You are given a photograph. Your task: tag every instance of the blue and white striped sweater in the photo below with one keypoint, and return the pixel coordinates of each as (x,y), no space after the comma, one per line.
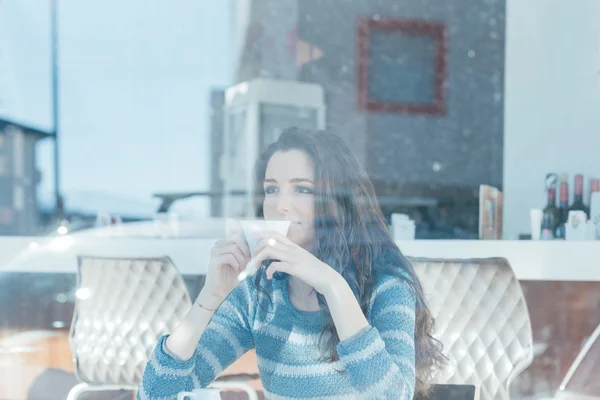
(377,363)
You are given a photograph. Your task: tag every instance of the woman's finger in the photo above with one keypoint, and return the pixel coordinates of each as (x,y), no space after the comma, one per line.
(278,266)
(220,247)
(216,249)
(235,250)
(229,259)
(239,240)
(270,252)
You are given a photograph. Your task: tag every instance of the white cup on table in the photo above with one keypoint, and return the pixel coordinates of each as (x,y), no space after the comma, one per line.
(214,392)
(201,394)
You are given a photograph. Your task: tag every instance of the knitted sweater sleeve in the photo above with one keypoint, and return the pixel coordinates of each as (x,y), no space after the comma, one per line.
(380,360)
(226,338)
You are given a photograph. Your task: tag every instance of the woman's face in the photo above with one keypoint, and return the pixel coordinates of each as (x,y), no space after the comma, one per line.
(289,194)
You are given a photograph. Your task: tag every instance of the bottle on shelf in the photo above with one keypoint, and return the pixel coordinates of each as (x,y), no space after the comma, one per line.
(594,206)
(578,196)
(563,206)
(550,212)
(594,187)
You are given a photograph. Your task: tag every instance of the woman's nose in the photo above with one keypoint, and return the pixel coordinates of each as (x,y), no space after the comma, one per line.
(284,203)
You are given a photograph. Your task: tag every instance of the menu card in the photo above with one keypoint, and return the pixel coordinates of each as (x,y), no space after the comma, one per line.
(490,213)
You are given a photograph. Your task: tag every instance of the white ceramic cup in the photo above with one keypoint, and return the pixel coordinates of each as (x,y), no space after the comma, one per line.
(252,227)
(214,392)
(249,228)
(201,394)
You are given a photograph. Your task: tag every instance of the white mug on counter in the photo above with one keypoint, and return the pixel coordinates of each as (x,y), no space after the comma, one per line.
(535,218)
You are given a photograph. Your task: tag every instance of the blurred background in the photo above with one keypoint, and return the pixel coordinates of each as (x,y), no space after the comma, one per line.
(117,114)
(104,107)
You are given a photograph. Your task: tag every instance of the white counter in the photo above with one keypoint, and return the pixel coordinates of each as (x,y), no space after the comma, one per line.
(556,260)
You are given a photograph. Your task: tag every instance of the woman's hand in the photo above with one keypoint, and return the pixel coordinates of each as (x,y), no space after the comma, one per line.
(228,258)
(296,261)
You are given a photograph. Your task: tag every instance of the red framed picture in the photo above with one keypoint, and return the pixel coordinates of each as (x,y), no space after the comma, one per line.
(401,66)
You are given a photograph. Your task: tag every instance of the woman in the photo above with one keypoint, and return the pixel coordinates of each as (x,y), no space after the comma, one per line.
(346,318)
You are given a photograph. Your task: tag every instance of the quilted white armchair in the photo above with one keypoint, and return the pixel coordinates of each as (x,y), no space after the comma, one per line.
(123,306)
(482,320)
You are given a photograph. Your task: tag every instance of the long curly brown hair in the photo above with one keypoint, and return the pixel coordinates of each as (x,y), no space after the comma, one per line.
(351,236)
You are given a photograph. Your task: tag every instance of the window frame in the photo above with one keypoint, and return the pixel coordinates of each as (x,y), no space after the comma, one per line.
(414,27)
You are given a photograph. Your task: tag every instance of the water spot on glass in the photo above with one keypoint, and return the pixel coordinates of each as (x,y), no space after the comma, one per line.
(376,17)
(493,35)
(437,166)
(471,53)
(61,298)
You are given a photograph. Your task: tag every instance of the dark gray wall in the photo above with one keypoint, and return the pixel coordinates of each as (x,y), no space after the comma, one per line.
(413,159)
(466,143)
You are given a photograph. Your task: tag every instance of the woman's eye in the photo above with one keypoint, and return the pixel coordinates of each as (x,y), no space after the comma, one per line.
(304,190)
(270,189)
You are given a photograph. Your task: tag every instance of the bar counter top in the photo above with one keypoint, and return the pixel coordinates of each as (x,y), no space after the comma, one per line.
(531,260)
